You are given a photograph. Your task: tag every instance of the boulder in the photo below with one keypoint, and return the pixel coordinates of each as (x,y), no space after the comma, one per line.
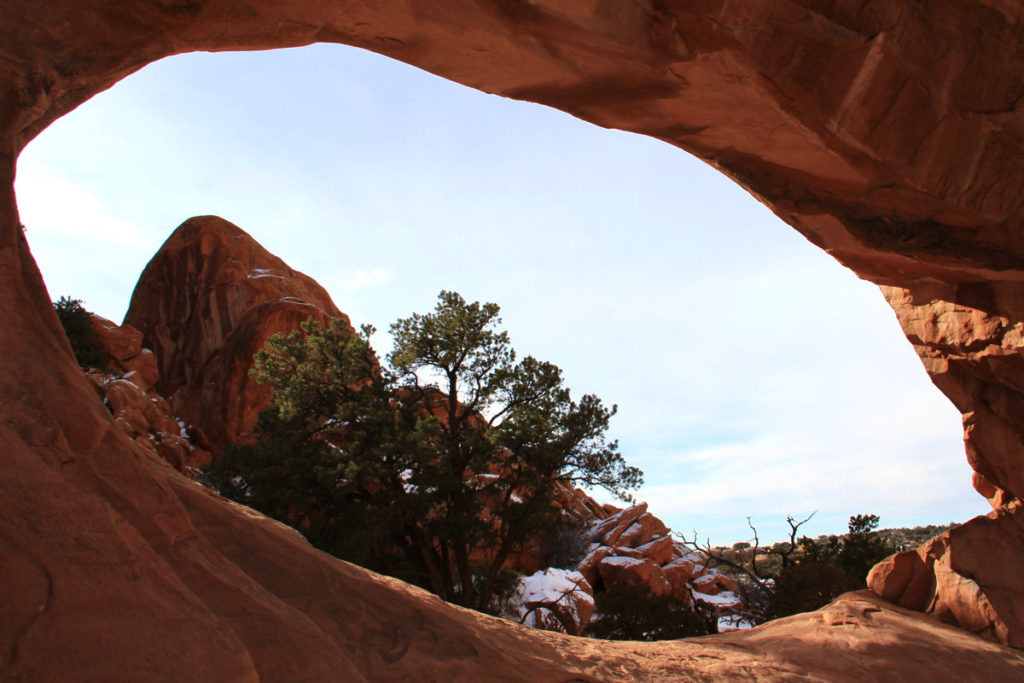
(607,531)
(121,342)
(645,528)
(681,571)
(555,600)
(619,572)
(660,551)
(941,577)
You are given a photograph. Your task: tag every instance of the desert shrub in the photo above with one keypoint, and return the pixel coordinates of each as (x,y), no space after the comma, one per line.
(634,613)
(806,586)
(567,545)
(85,341)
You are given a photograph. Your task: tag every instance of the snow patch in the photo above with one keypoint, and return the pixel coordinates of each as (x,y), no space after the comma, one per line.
(550,586)
(620,561)
(723,599)
(299,302)
(257,273)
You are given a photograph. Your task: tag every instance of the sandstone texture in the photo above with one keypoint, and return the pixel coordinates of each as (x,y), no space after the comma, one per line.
(889,133)
(126,388)
(204,304)
(939,577)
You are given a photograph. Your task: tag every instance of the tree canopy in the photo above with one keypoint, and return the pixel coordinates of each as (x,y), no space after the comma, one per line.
(436,466)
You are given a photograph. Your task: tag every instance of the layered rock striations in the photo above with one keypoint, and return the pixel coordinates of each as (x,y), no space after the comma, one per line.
(888,133)
(205,303)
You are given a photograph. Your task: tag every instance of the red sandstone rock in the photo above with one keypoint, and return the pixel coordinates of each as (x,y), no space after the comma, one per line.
(660,551)
(123,344)
(555,600)
(146,417)
(609,530)
(940,577)
(646,528)
(996,497)
(683,570)
(120,342)
(205,303)
(866,126)
(713,583)
(619,572)
(588,566)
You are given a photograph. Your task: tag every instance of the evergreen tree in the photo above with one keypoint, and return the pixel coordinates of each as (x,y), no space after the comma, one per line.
(451,452)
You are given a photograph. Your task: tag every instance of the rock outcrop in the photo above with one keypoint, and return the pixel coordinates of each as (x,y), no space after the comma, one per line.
(938,577)
(205,303)
(635,548)
(888,133)
(556,600)
(126,388)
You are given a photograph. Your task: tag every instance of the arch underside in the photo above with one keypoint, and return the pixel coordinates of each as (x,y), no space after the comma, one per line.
(888,132)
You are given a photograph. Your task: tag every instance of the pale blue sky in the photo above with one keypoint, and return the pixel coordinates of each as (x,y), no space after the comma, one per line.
(754,375)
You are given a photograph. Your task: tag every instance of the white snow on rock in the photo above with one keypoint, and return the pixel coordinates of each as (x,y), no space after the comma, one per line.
(293,300)
(622,561)
(257,273)
(554,600)
(549,585)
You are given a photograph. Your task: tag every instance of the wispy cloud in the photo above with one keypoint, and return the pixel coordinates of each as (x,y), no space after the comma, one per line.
(51,204)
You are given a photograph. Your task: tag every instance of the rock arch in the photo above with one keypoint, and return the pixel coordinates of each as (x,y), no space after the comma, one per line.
(889,133)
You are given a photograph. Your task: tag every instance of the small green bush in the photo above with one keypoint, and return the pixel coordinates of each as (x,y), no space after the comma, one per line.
(85,341)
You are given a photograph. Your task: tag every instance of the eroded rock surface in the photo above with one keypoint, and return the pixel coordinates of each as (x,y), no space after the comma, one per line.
(888,133)
(126,387)
(205,303)
(953,576)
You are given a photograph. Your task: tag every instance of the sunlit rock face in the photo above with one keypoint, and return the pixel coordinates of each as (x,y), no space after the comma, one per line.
(888,132)
(205,303)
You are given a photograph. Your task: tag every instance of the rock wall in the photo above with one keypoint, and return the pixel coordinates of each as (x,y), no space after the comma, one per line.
(888,132)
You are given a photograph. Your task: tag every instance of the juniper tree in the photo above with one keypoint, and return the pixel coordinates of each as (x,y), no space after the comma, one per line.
(452,449)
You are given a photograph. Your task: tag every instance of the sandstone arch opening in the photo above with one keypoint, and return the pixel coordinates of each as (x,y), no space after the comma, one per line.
(902,163)
(651,278)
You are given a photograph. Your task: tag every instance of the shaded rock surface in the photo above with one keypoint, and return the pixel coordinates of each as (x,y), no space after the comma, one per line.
(888,133)
(938,577)
(205,303)
(139,411)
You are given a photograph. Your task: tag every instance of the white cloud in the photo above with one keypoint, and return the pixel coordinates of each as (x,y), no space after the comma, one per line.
(51,204)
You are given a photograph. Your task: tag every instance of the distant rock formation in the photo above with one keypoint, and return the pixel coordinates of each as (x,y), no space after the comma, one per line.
(629,548)
(205,303)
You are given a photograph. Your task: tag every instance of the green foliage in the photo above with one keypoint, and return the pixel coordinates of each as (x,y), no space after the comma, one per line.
(827,567)
(80,332)
(634,613)
(435,468)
